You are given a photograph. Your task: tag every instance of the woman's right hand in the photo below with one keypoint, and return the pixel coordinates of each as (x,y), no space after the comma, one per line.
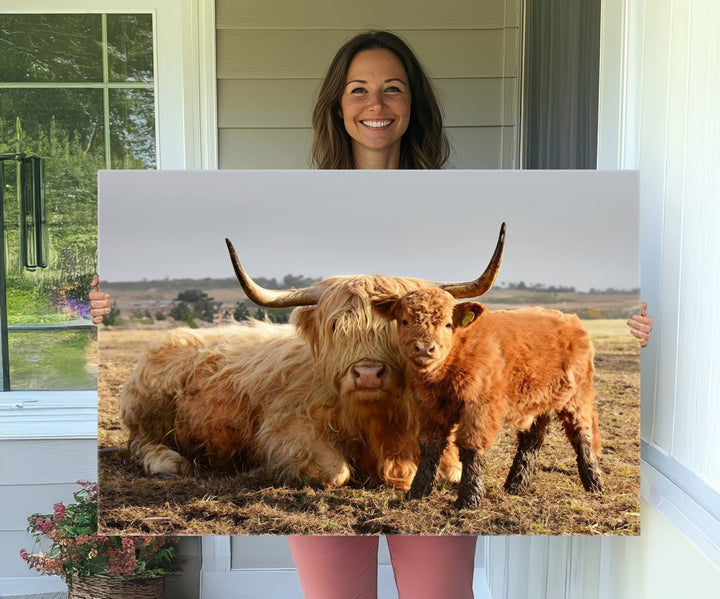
(100,303)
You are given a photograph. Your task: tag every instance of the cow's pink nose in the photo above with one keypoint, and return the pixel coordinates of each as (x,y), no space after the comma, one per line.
(424,348)
(368,375)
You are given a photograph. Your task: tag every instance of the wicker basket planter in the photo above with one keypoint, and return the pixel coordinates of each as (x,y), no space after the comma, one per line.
(116,587)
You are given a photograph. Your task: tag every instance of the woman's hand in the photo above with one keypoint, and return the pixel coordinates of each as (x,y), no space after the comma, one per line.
(641,325)
(100,303)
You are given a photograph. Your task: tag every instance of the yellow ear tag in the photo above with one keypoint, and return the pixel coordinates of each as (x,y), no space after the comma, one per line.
(468,318)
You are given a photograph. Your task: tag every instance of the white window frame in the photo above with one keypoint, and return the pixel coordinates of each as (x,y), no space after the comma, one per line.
(48,415)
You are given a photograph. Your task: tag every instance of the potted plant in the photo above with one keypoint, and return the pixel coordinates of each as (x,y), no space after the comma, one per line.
(96,566)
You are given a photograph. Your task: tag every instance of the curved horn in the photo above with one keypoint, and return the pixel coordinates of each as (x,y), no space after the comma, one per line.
(271,298)
(485,282)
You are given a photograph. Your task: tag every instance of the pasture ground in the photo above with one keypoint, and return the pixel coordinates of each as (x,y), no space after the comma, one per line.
(249,503)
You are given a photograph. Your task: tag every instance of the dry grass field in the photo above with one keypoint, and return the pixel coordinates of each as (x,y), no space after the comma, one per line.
(249,503)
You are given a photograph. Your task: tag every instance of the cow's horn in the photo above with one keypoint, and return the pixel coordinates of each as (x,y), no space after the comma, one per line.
(271,298)
(485,282)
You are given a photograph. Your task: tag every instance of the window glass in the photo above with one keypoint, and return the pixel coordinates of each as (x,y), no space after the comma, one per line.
(132,128)
(77,120)
(37,48)
(130,47)
(65,125)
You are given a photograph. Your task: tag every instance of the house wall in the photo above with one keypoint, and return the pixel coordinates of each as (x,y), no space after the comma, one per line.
(672,566)
(675,128)
(271,58)
(48,442)
(563,567)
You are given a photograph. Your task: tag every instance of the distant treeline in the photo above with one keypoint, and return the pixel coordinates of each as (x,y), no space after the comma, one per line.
(613,290)
(288,282)
(522,286)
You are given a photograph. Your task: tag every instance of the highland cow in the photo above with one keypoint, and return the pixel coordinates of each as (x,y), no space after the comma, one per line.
(474,368)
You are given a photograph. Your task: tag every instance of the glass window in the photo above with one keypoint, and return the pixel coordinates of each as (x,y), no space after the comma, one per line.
(78,91)
(44,48)
(132,128)
(130,43)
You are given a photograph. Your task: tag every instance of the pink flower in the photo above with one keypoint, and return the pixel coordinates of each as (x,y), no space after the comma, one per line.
(128,543)
(53,565)
(121,562)
(24,554)
(59,512)
(43,526)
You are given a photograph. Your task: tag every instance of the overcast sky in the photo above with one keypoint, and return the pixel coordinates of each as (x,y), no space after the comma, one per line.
(576,228)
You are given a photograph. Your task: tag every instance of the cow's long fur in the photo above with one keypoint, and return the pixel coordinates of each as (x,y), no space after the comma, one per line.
(477,368)
(278,397)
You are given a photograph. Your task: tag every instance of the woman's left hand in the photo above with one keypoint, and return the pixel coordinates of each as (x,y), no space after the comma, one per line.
(641,325)
(100,303)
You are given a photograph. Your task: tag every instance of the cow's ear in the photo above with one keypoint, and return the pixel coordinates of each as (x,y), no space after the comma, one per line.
(304,320)
(385,307)
(466,312)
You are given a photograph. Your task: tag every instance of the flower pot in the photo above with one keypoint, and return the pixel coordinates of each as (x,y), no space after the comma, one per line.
(116,587)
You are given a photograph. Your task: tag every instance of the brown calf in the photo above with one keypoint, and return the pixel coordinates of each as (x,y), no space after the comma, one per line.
(476,368)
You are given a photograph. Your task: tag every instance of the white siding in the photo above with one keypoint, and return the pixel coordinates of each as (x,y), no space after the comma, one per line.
(564,567)
(675,136)
(271,59)
(47,443)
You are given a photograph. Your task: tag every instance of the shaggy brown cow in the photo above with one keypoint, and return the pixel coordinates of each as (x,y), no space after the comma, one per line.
(317,401)
(475,368)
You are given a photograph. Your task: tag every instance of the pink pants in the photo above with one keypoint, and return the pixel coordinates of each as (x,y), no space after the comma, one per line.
(346,567)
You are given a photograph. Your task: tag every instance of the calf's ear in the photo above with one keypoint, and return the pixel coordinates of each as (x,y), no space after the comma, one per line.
(385,306)
(466,312)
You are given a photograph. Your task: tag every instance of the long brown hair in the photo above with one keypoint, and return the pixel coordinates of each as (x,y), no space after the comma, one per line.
(424,144)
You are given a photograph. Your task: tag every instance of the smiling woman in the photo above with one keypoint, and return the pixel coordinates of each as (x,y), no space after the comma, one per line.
(377,109)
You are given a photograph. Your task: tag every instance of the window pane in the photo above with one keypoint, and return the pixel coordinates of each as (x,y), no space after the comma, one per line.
(50,48)
(53,120)
(132,128)
(53,360)
(65,127)
(130,47)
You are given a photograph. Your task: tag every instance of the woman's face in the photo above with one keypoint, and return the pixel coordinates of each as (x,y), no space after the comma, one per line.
(375,103)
